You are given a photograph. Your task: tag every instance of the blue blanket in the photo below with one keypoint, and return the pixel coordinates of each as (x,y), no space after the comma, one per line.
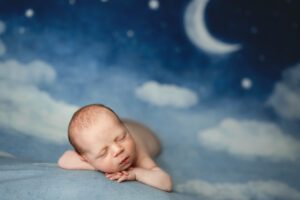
(27,180)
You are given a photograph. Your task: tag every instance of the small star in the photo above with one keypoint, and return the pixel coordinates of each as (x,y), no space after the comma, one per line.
(246,83)
(22,30)
(262,58)
(153,4)
(295,25)
(254,30)
(163,25)
(248,13)
(29,13)
(177,50)
(72,2)
(130,33)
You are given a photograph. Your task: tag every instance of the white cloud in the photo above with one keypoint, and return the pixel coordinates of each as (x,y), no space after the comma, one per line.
(2,45)
(5,154)
(166,95)
(2,48)
(259,190)
(286,95)
(28,109)
(251,139)
(2,27)
(32,74)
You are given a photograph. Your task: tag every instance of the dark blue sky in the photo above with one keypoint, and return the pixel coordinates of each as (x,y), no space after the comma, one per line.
(97,32)
(206,107)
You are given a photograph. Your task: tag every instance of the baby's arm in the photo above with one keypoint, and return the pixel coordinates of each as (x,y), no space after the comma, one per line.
(149,173)
(146,172)
(155,177)
(71,160)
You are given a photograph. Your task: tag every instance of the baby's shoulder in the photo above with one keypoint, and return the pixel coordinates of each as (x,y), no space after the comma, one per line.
(144,160)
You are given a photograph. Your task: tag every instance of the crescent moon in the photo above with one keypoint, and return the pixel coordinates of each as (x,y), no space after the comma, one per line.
(194,23)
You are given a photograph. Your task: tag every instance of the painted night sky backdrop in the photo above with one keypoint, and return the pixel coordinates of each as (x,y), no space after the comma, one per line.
(218,80)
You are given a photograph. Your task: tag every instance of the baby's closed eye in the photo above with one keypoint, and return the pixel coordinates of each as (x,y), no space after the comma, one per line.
(102,152)
(122,137)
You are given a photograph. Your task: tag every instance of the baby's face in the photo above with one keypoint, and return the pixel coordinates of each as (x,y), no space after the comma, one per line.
(108,145)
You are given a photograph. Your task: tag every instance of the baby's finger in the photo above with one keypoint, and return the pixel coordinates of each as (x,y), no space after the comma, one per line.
(117,176)
(125,172)
(122,179)
(109,176)
(114,173)
(113,178)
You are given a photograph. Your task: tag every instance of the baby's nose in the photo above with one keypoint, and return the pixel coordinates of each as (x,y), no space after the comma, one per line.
(117,149)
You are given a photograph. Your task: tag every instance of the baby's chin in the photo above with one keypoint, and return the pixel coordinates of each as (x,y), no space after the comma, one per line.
(119,168)
(126,167)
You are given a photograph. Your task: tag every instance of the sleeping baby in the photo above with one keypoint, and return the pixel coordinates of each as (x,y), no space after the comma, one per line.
(122,149)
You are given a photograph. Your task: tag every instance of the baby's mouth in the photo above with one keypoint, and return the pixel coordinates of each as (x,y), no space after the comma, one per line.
(125,160)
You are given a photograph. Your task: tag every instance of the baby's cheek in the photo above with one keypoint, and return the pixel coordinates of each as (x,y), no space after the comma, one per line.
(101,165)
(130,144)
(109,166)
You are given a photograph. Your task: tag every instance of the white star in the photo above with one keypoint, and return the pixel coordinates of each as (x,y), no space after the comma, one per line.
(153,4)
(72,2)
(22,30)
(246,83)
(29,13)
(130,33)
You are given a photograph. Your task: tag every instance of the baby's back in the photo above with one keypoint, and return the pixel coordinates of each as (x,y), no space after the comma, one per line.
(144,137)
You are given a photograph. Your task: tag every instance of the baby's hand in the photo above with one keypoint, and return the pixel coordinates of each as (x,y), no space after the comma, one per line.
(128,175)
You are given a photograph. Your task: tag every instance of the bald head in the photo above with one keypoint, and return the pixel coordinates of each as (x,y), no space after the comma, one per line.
(84,118)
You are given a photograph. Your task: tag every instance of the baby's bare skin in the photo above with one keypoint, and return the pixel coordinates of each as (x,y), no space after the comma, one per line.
(144,137)
(122,149)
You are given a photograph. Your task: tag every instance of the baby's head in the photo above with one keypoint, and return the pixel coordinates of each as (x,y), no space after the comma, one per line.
(99,136)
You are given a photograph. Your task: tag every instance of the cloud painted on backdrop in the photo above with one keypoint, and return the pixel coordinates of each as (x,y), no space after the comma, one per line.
(2,45)
(286,95)
(166,95)
(28,109)
(2,27)
(5,154)
(250,139)
(260,190)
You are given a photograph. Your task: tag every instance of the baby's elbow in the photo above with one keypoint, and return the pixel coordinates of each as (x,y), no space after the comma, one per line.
(168,184)
(61,163)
